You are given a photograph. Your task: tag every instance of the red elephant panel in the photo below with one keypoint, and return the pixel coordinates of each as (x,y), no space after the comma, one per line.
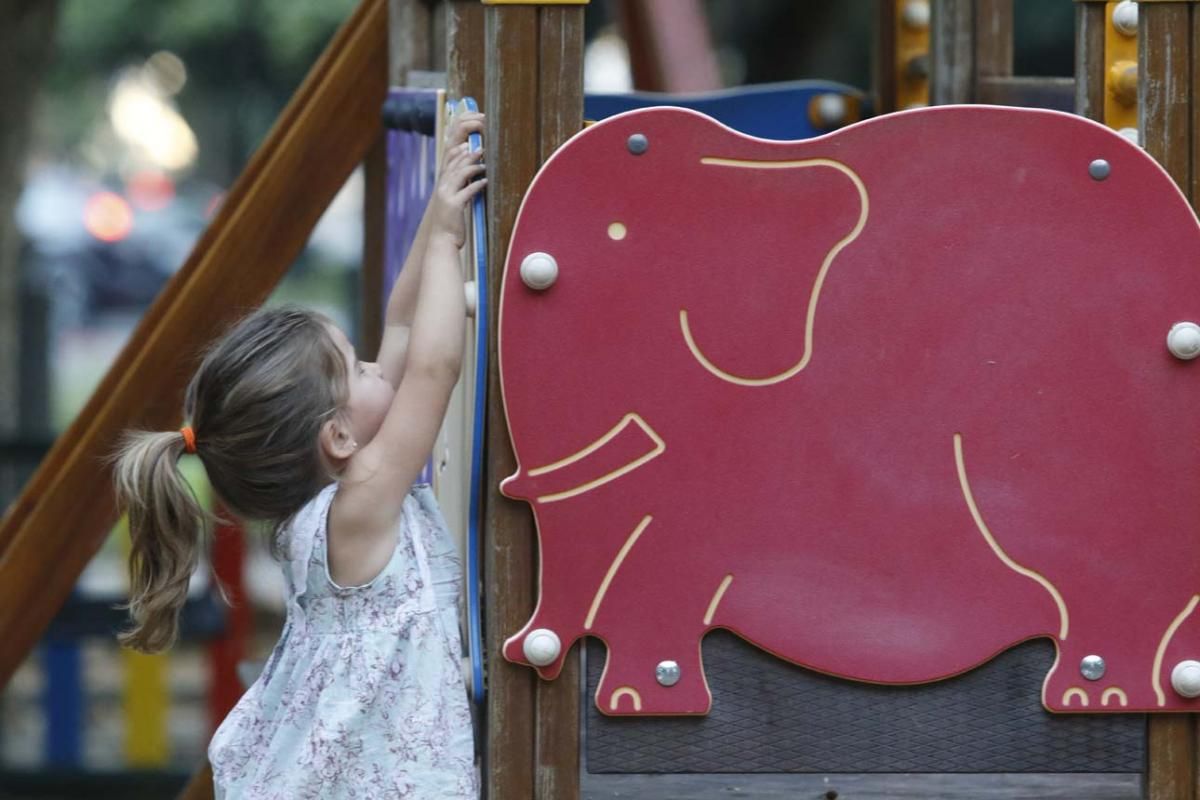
(884,403)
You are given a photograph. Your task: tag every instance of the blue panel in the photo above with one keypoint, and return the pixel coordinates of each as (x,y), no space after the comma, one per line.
(769,111)
(62,702)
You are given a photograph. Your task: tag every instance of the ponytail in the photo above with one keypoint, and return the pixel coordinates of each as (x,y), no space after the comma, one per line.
(166,525)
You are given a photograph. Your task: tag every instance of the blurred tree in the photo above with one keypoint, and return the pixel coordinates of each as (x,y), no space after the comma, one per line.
(243,61)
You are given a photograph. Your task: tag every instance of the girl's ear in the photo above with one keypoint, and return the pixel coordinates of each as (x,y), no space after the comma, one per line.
(337,440)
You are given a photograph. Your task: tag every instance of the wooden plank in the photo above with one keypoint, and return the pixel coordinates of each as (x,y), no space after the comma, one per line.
(1090,25)
(884,72)
(1171,757)
(1194,194)
(374,251)
(465,50)
(511,101)
(63,515)
(1028,92)
(993,38)
(863,787)
(410,44)
(556,760)
(1164,80)
(952,66)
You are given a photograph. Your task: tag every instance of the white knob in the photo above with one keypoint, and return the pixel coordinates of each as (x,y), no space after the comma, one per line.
(831,110)
(1185,678)
(916,14)
(1131,134)
(1124,17)
(539,271)
(470,295)
(1183,340)
(542,647)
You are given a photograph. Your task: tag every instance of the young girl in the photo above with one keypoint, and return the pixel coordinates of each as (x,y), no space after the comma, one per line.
(363,695)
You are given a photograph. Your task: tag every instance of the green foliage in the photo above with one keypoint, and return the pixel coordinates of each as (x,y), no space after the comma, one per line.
(233,49)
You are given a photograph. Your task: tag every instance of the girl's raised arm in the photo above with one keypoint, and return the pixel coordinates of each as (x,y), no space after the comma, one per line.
(377,476)
(402,302)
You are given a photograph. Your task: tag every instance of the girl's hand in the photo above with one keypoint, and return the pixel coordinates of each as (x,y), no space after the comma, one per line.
(458,168)
(456,186)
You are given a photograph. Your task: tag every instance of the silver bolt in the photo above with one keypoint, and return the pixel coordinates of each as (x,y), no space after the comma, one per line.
(638,144)
(667,673)
(1092,668)
(1099,169)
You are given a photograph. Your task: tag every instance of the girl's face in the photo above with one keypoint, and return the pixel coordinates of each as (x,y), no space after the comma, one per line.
(370,394)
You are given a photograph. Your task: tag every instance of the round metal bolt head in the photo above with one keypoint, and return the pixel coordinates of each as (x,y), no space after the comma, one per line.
(638,144)
(667,673)
(541,647)
(830,109)
(1092,668)
(1185,678)
(539,271)
(916,14)
(1125,18)
(1183,340)
(1099,169)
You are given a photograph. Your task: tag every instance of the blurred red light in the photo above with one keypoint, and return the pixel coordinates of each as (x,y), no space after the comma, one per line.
(107,217)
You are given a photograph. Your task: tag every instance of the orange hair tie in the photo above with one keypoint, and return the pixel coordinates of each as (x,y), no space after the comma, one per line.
(189,438)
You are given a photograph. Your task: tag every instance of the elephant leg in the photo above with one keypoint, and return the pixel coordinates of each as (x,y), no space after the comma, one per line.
(571,589)
(1113,659)
(651,617)
(653,670)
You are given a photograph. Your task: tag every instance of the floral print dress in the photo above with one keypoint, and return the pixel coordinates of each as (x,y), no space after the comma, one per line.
(363,696)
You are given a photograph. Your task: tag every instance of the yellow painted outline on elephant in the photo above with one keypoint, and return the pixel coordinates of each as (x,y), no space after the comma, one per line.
(816,291)
(1064,620)
(660,447)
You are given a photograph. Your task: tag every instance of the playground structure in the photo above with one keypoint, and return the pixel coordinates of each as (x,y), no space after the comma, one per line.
(524,62)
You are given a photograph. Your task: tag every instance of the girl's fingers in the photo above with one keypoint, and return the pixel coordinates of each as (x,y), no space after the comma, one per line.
(470,190)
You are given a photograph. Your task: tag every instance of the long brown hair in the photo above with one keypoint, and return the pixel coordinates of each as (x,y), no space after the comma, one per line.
(256,406)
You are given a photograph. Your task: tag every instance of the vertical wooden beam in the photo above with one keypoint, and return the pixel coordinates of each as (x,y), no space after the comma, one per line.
(952,68)
(1171,756)
(410,39)
(1164,86)
(556,762)
(513,123)
(1194,194)
(534,102)
(370,305)
(993,39)
(884,72)
(465,50)
(1090,23)
(1166,89)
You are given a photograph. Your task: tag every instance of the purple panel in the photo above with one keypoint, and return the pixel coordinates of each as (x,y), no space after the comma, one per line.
(412,162)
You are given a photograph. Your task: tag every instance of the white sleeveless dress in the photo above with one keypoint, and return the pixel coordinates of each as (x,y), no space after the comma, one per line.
(363,696)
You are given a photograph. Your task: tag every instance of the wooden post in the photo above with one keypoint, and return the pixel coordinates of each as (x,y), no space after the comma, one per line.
(993,39)
(952,66)
(1167,87)
(534,101)
(1090,24)
(465,50)
(1164,86)
(884,73)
